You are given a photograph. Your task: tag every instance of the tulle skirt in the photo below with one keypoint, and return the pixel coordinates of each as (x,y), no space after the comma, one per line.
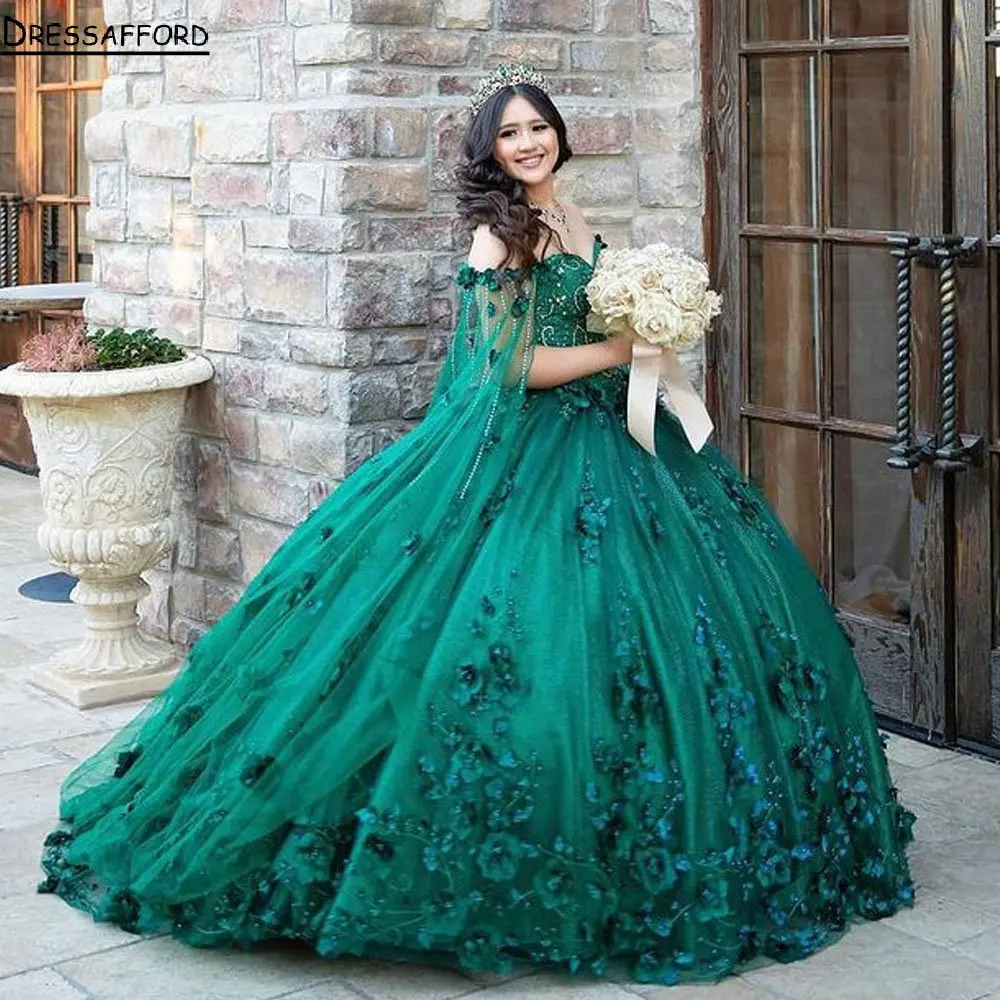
(602,717)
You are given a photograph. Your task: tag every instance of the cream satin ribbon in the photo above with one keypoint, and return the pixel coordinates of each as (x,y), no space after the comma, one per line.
(649,362)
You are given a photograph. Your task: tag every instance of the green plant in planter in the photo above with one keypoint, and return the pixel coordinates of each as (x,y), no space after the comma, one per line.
(119,348)
(65,346)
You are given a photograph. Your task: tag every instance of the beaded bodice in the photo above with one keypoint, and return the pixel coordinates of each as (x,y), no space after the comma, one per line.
(561,311)
(561,304)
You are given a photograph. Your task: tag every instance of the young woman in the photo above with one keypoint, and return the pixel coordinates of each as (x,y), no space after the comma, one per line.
(518,692)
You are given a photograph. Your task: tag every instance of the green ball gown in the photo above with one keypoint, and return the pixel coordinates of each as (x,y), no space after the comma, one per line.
(518,693)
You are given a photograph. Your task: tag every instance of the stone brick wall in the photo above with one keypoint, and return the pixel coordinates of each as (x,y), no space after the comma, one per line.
(286,206)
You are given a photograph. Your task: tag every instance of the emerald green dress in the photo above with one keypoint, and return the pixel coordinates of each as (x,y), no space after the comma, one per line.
(517,693)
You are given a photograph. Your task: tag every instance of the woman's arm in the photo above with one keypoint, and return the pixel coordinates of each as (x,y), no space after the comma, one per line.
(552,366)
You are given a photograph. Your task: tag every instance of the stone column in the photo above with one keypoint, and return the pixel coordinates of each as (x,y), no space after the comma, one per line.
(287,206)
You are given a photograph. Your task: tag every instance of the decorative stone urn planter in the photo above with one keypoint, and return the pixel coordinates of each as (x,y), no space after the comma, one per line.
(105,445)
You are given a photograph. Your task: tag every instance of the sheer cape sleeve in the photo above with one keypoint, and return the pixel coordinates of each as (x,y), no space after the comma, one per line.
(484,378)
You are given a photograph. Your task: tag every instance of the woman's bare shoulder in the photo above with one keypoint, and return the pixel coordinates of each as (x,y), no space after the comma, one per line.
(487,249)
(574,211)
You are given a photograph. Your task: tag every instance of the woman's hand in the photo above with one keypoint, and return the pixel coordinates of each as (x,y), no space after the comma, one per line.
(620,347)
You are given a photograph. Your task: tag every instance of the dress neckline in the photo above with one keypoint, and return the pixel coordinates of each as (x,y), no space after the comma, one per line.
(491,272)
(569,253)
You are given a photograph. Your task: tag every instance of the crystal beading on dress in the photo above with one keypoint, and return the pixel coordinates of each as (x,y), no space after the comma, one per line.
(517,694)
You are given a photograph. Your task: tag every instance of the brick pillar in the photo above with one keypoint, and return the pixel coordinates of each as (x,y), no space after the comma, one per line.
(287,206)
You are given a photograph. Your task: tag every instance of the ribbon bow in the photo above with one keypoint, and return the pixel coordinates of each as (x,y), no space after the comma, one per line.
(649,362)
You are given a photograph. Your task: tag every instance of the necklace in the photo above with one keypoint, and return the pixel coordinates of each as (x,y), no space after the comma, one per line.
(553,215)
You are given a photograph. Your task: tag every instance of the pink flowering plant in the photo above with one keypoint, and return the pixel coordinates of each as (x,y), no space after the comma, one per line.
(66,346)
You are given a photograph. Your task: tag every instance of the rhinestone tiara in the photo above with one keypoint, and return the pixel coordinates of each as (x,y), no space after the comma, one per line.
(505,76)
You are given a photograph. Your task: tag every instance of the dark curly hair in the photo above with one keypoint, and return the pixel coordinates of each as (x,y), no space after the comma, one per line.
(488,194)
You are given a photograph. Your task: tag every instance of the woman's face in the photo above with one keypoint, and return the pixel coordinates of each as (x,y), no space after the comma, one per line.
(527,146)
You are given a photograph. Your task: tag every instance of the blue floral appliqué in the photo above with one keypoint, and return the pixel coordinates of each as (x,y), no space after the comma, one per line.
(591,517)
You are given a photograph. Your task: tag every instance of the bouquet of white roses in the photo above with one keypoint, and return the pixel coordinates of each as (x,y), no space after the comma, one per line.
(661,295)
(658,292)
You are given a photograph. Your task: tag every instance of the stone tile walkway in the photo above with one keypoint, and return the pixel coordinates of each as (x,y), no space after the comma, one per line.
(946,948)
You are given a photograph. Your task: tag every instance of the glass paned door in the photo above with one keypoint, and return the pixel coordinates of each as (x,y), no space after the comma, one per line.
(68,94)
(45,102)
(831,134)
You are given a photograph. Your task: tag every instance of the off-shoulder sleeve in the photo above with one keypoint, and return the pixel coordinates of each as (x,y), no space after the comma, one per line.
(484,378)
(493,332)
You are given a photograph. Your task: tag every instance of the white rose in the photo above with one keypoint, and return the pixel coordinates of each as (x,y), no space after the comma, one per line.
(651,327)
(611,299)
(691,331)
(656,320)
(688,290)
(650,279)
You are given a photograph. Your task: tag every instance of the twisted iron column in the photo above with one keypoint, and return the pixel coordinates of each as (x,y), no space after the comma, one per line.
(14,247)
(904,454)
(10,237)
(5,277)
(947,452)
(951,453)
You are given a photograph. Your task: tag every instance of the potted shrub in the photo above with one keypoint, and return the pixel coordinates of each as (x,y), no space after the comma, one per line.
(104,409)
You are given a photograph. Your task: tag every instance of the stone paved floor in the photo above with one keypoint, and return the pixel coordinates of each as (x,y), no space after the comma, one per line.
(946,948)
